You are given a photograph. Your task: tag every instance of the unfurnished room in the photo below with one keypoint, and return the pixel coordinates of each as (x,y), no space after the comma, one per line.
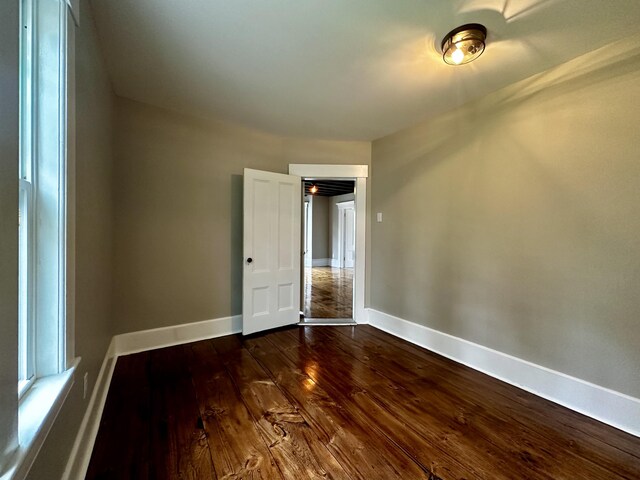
(319,239)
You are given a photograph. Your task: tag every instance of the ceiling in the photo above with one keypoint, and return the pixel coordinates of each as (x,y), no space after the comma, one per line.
(337,69)
(329,188)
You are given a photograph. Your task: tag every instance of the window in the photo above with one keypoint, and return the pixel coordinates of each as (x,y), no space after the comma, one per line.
(42,177)
(46,366)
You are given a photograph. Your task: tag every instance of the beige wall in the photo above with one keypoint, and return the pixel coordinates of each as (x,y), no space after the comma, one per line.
(9,28)
(178,210)
(321,247)
(93,240)
(514,221)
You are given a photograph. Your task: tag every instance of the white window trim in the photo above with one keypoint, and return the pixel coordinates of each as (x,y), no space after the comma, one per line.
(37,413)
(41,397)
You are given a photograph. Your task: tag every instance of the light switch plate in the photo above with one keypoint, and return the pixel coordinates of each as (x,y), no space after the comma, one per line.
(379,217)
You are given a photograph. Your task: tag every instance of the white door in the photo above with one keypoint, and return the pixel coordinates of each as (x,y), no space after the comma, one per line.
(271,276)
(347,234)
(349,237)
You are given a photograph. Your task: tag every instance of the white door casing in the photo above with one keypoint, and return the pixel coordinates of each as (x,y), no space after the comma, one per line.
(271,272)
(360,173)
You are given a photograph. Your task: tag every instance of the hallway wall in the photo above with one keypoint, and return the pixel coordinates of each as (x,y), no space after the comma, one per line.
(321,247)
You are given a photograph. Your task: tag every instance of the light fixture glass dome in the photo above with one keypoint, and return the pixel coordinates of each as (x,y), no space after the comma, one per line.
(464,44)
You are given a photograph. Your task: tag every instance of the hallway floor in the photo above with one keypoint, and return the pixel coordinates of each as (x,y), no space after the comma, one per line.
(328,292)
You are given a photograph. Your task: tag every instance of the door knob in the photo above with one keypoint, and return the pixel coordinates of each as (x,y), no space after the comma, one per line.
(249,260)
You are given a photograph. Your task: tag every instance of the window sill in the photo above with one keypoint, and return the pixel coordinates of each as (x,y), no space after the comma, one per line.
(37,412)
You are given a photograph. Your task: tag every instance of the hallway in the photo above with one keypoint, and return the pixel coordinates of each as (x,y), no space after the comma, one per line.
(328,292)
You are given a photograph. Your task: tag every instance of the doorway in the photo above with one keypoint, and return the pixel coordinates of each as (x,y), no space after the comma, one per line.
(329,232)
(273,241)
(359,174)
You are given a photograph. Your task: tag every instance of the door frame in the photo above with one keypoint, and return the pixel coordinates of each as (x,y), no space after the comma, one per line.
(340,172)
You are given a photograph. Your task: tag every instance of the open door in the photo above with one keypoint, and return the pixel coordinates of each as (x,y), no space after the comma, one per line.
(271,275)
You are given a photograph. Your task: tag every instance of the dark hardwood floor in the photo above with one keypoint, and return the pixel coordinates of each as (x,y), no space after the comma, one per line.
(328,292)
(338,402)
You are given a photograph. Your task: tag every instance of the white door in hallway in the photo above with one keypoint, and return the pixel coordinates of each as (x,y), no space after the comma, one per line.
(349,238)
(271,272)
(347,234)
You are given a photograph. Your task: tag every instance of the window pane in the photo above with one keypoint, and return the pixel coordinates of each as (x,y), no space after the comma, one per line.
(22,282)
(25,282)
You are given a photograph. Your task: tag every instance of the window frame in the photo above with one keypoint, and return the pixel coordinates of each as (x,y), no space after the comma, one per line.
(42,349)
(26,214)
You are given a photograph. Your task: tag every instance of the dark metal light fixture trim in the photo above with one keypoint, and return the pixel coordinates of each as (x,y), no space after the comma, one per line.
(464,44)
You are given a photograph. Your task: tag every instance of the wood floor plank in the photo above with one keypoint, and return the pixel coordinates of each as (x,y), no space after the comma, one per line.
(328,292)
(605,445)
(437,427)
(237,448)
(363,454)
(523,448)
(126,415)
(179,445)
(532,421)
(296,447)
(361,408)
(338,403)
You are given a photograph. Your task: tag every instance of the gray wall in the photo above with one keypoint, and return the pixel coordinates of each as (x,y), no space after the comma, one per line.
(321,247)
(178,210)
(513,222)
(94,234)
(9,34)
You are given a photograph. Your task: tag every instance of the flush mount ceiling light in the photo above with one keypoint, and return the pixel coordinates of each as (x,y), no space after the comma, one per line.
(464,44)
(313,189)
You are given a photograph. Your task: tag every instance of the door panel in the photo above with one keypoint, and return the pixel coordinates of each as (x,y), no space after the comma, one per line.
(271,280)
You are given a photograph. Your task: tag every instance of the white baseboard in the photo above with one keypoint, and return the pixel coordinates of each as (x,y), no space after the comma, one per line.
(80,456)
(125,344)
(335,263)
(134,342)
(321,262)
(613,408)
